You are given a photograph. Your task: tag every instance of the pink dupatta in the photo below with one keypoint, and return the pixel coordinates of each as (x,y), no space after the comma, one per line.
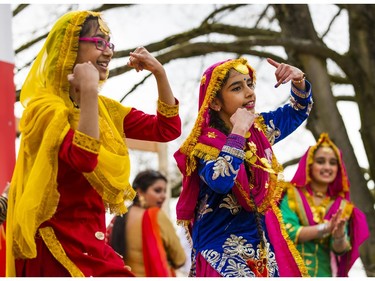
(288,259)
(339,188)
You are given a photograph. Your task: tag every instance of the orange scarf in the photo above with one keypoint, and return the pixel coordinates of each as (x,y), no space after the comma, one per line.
(154,255)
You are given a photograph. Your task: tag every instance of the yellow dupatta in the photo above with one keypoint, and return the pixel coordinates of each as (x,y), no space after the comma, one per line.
(48,115)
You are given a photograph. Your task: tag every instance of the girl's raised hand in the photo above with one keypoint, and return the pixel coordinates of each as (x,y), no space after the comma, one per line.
(141,59)
(285,72)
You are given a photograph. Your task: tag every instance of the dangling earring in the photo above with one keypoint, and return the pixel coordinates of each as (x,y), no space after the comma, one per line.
(142,202)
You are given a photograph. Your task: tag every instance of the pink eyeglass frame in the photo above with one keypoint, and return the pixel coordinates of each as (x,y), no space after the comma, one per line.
(95,40)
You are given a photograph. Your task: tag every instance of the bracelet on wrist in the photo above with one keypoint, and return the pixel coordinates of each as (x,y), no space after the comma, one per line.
(322,230)
(301,80)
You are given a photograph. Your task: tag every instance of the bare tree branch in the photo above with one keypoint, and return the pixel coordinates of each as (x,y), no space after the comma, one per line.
(331,23)
(19,9)
(136,86)
(230,8)
(240,46)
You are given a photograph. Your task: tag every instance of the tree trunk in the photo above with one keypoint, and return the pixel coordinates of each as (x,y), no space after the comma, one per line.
(295,21)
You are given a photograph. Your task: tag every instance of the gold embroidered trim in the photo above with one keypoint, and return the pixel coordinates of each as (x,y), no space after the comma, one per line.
(347,209)
(296,254)
(168,110)
(204,152)
(117,207)
(292,200)
(86,142)
(68,53)
(297,234)
(296,106)
(185,225)
(239,153)
(57,250)
(300,93)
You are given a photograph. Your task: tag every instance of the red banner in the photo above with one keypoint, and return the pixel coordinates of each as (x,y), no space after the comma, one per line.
(7,123)
(7,98)
(7,119)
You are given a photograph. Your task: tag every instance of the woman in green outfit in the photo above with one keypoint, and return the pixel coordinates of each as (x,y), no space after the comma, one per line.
(318,214)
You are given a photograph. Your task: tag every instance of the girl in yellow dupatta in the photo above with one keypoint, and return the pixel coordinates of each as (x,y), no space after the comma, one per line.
(73,163)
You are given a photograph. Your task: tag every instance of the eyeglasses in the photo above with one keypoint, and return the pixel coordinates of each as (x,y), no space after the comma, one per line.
(100,43)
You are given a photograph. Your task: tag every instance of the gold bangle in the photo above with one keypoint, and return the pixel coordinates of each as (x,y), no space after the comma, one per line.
(301,80)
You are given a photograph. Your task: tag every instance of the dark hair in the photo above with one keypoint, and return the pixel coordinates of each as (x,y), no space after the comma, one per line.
(145,179)
(215,120)
(142,181)
(91,23)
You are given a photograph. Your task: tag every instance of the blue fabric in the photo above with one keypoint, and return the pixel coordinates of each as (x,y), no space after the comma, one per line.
(284,120)
(223,232)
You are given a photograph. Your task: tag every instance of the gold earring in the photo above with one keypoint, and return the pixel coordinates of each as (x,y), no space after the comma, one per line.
(142,202)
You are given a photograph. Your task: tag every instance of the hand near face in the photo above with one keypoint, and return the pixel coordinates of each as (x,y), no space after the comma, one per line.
(285,72)
(242,120)
(85,78)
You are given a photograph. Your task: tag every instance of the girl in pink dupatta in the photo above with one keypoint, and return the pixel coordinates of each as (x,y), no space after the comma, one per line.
(230,175)
(326,227)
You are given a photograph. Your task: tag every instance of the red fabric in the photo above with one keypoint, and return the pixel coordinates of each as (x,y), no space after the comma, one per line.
(284,257)
(79,216)
(154,255)
(204,269)
(141,126)
(80,213)
(7,124)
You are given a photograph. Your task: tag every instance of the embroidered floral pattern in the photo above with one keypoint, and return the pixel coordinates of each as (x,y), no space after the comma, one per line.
(223,167)
(236,245)
(211,135)
(231,204)
(296,106)
(203,207)
(233,261)
(193,268)
(272,132)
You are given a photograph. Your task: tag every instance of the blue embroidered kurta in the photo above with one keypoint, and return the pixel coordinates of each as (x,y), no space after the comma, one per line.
(224,233)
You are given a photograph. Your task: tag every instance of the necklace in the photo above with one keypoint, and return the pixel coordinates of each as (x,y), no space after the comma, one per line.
(320,210)
(319,194)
